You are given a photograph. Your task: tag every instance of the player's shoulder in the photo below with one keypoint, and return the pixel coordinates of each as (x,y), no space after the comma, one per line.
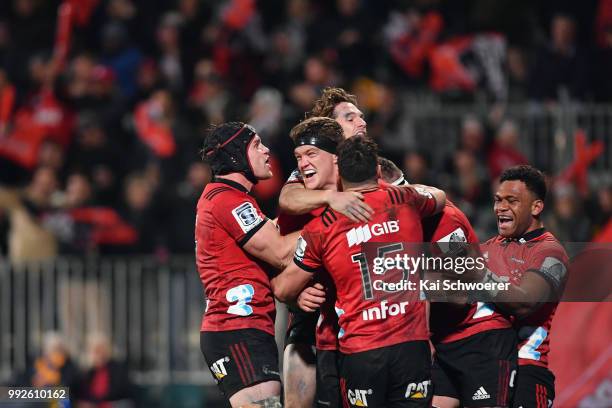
(216,192)
(223,200)
(548,243)
(494,240)
(399,194)
(325,220)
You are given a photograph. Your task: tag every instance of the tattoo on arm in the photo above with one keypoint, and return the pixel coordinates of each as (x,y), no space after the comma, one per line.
(270,402)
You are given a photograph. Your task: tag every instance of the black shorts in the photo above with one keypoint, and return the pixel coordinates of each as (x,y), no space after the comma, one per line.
(477,370)
(328,379)
(534,387)
(393,377)
(302,327)
(239,359)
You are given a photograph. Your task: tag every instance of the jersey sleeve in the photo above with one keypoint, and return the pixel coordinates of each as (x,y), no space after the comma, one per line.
(308,250)
(423,201)
(240,217)
(295,177)
(549,260)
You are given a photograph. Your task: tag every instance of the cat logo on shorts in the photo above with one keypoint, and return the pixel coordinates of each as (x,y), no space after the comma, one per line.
(218,368)
(418,390)
(359,398)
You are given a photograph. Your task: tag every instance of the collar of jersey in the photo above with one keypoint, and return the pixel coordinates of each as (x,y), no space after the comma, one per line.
(367,190)
(531,235)
(231,183)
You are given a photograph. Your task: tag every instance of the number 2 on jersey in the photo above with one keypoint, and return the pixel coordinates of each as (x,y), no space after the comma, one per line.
(242,294)
(535,339)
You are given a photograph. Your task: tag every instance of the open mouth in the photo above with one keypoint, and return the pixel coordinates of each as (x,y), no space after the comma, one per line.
(504,221)
(309,173)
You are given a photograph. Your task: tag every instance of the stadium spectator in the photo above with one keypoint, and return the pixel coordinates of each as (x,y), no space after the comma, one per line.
(504,151)
(141,211)
(567,219)
(210,95)
(417,167)
(602,63)
(172,61)
(106,380)
(99,156)
(561,68)
(287,45)
(29,239)
(182,201)
(120,56)
(55,367)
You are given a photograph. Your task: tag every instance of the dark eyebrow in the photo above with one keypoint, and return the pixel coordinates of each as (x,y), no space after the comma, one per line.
(497,195)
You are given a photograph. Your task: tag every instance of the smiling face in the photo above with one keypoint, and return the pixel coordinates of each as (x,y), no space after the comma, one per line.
(351,120)
(516,209)
(317,166)
(259,159)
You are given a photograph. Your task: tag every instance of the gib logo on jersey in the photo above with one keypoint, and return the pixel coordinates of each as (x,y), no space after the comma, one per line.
(218,368)
(359,398)
(364,233)
(418,390)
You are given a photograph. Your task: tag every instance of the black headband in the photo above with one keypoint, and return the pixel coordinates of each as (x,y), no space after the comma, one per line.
(322,143)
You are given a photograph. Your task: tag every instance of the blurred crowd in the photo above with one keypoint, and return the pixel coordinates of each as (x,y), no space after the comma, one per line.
(104,103)
(99,382)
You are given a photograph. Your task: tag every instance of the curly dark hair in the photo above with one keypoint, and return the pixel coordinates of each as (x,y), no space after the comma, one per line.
(319,126)
(357,159)
(533,178)
(330,97)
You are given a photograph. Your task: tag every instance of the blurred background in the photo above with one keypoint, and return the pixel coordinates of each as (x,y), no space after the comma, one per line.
(103,108)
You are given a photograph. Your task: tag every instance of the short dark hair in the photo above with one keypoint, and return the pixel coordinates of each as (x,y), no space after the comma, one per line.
(330,97)
(357,159)
(533,178)
(318,126)
(389,171)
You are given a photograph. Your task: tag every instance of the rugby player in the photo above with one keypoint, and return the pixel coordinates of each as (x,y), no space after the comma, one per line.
(536,264)
(386,360)
(234,241)
(315,141)
(475,343)
(302,194)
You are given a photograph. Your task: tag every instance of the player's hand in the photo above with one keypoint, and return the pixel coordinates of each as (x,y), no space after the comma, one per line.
(351,204)
(311,298)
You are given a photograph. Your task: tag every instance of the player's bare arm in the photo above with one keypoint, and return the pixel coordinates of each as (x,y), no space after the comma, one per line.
(526,298)
(288,284)
(436,193)
(269,246)
(296,199)
(536,287)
